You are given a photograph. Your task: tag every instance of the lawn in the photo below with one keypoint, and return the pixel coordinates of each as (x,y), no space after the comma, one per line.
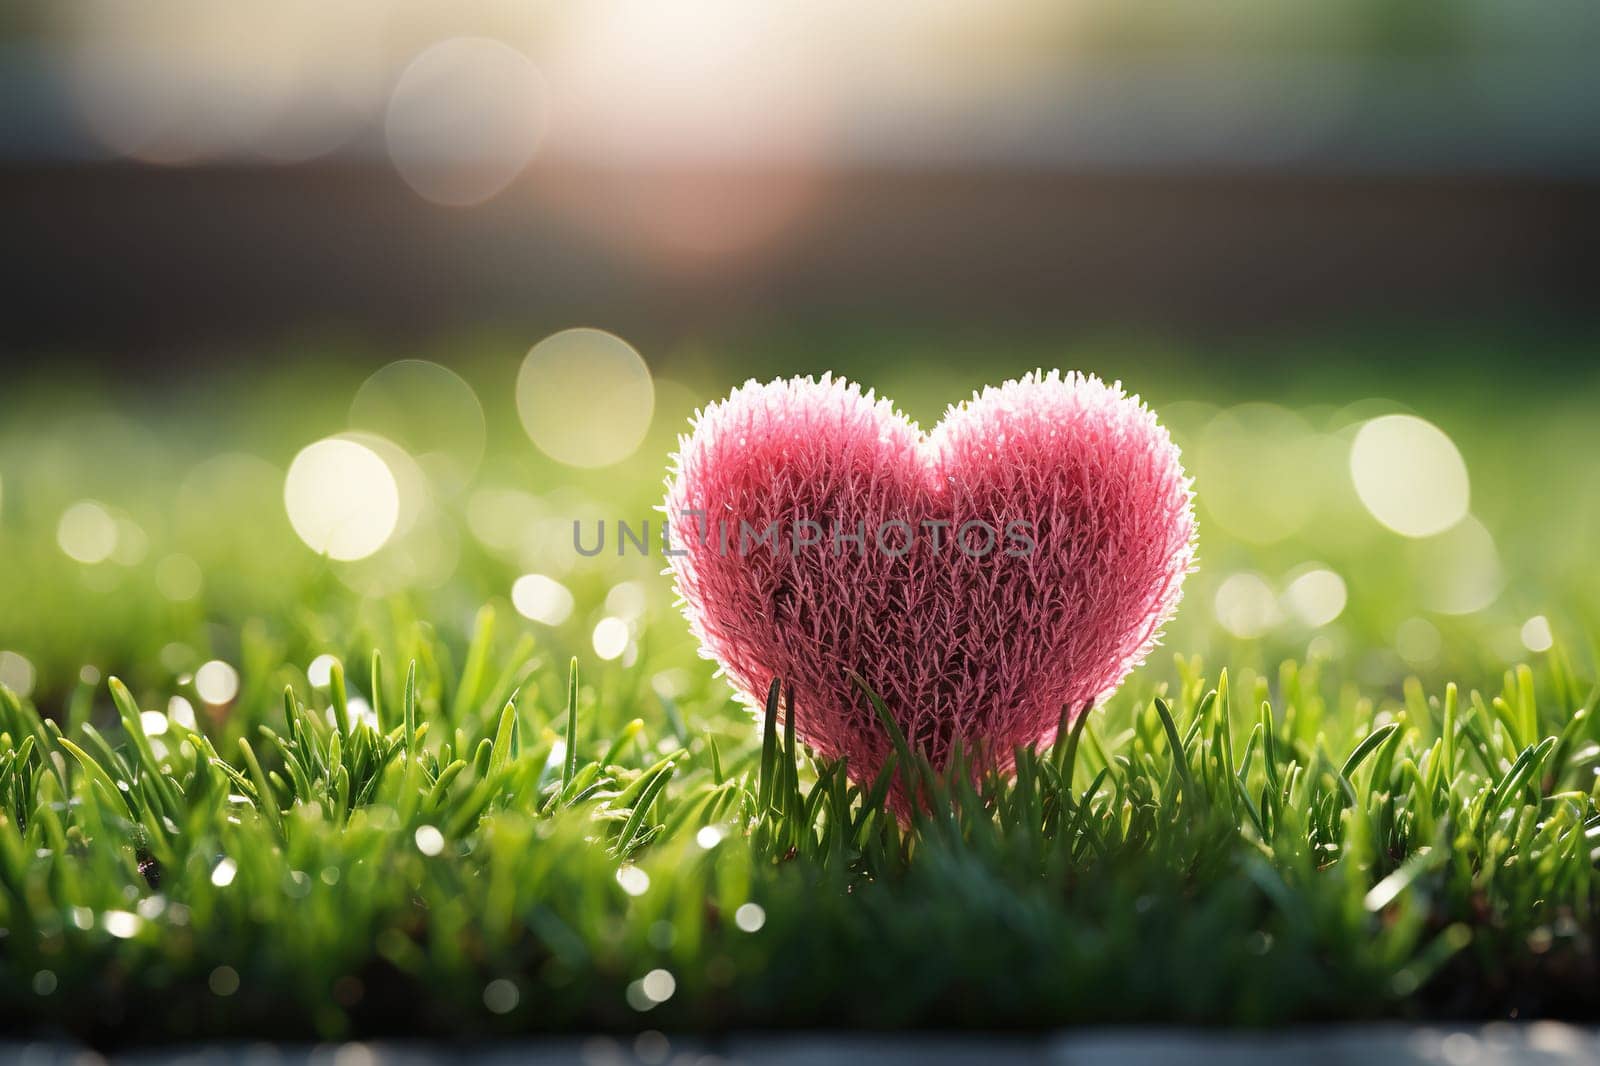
(421,792)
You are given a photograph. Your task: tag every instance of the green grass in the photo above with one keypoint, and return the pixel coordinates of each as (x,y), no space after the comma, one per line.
(1341,838)
(508,850)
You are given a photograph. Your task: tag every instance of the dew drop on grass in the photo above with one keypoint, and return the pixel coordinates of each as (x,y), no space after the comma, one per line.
(224,873)
(429,840)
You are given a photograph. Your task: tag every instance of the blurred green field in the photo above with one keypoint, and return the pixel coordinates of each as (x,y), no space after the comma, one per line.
(179,490)
(1378,813)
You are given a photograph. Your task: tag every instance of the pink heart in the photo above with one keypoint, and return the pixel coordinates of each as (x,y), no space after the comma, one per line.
(982,647)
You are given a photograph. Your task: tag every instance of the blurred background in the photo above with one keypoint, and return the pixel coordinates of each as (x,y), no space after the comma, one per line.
(320,319)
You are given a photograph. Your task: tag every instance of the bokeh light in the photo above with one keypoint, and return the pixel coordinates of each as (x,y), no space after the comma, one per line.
(16,673)
(465,117)
(87,532)
(178,578)
(430,412)
(1409,475)
(1245,605)
(342,499)
(585,397)
(501,996)
(750,917)
(412,484)
(181,712)
(172,82)
(1316,596)
(1418,641)
(132,542)
(1536,634)
(320,671)
(1459,571)
(216,682)
(627,600)
(1255,469)
(610,638)
(541,599)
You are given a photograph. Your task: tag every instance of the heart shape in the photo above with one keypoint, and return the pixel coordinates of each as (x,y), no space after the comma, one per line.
(982,647)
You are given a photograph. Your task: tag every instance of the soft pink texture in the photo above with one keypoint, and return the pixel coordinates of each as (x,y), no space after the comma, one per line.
(988,650)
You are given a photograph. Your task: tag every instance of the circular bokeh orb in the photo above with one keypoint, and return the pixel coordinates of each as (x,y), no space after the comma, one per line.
(87,532)
(1256,466)
(585,397)
(341,498)
(428,410)
(1317,596)
(1409,475)
(464,119)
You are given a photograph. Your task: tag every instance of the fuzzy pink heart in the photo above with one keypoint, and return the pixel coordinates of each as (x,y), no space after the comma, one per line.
(1019,559)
